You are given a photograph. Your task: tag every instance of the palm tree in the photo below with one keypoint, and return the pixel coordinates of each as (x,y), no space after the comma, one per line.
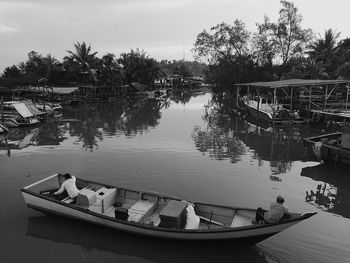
(324,49)
(110,69)
(84,58)
(138,67)
(50,63)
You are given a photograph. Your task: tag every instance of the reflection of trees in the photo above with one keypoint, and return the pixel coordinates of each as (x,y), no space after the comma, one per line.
(124,116)
(139,116)
(50,133)
(332,192)
(217,138)
(229,136)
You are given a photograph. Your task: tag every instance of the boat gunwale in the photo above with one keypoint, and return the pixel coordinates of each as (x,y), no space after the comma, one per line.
(158,228)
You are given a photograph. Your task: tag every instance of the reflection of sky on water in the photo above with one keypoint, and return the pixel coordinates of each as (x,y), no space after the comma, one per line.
(165,127)
(198,152)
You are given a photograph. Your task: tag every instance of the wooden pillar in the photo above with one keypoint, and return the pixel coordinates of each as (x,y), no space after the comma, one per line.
(310,94)
(274,106)
(325,98)
(291,98)
(237,101)
(2,108)
(258,101)
(347,95)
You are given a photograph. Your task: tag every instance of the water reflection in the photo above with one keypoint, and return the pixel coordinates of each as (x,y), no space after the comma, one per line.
(50,133)
(332,192)
(229,136)
(92,237)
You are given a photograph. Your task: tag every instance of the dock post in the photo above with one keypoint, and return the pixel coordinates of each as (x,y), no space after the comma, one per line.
(291,98)
(325,98)
(2,108)
(347,95)
(237,97)
(274,106)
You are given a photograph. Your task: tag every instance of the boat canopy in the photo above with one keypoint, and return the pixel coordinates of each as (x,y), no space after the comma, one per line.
(294,82)
(23,110)
(34,110)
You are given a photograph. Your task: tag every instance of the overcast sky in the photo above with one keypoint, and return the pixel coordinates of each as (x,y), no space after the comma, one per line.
(165,29)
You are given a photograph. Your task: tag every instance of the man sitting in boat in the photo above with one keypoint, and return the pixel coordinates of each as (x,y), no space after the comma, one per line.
(278,210)
(68,187)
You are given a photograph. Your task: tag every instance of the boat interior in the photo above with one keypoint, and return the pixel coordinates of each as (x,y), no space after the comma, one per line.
(146,208)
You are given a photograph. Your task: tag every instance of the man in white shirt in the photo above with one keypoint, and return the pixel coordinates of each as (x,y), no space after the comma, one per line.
(277,211)
(69,186)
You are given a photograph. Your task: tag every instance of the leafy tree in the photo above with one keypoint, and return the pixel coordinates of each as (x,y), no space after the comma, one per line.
(11,71)
(138,67)
(263,44)
(289,38)
(224,41)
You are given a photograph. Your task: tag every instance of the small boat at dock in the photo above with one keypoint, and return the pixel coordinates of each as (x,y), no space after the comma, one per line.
(3,127)
(153,214)
(272,112)
(333,148)
(17,114)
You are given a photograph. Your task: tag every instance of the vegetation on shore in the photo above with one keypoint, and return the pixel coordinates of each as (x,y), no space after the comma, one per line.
(228,54)
(277,50)
(83,66)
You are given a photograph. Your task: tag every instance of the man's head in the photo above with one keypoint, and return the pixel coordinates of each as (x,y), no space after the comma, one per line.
(280,199)
(67,176)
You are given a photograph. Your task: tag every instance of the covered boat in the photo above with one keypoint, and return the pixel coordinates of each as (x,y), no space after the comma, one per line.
(3,127)
(271,111)
(17,114)
(152,214)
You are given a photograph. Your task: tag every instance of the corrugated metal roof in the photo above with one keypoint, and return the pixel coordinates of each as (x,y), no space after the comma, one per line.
(23,110)
(293,82)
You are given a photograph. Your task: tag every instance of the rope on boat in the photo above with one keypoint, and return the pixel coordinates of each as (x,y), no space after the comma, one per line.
(316,147)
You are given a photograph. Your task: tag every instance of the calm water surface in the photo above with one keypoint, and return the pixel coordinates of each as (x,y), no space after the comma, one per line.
(190,148)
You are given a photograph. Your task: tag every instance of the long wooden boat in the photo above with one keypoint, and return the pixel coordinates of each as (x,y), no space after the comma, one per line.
(152,214)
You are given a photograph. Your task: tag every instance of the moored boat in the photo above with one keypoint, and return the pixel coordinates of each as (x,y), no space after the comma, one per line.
(152,214)
(17,114)
(266,109)
(3,127)
(332,148)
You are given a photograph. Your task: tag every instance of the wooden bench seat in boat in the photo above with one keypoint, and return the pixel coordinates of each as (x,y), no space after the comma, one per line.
(243,218)
(140,210)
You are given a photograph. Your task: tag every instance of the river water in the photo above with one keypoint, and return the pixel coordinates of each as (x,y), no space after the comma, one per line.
(187,147)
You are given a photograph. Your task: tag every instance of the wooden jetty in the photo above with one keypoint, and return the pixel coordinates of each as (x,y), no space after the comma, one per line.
(297,95)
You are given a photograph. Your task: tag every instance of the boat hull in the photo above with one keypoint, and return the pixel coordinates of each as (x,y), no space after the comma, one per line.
(243,236)
(326,147)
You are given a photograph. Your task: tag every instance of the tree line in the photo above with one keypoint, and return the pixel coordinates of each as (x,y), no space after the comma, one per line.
(277,50)
(83,66)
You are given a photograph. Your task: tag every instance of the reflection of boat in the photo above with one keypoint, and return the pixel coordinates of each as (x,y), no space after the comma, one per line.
(99,239)
(152,214)
(333,148)
(333,188)
(270,111)
(20,138)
